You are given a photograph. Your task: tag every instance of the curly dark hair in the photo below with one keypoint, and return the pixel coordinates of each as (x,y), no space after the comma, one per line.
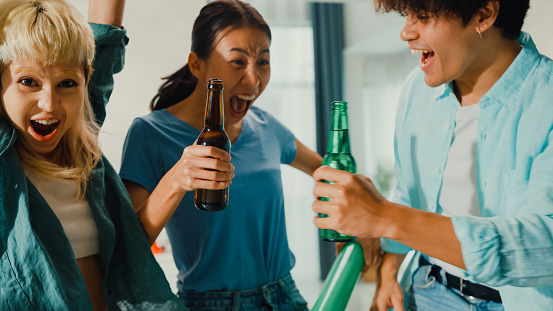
(509,20)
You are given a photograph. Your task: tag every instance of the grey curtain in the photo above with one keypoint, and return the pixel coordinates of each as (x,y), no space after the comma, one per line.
(328,44)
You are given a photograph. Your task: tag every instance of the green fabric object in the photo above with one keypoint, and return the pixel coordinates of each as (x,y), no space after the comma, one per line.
(341,279)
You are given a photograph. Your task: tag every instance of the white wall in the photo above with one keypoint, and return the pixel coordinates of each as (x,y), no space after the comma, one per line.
(540,25)
(160,34)
(376,62)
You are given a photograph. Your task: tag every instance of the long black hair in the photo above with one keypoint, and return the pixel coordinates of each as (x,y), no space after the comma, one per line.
(213,18)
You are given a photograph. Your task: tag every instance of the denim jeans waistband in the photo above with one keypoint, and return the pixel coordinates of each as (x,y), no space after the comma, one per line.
(465,287)
(270,293)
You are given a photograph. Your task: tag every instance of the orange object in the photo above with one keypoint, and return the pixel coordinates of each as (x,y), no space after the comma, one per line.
(156,249)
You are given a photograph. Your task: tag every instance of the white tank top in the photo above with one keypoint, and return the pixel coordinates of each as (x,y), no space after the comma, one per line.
(75,215)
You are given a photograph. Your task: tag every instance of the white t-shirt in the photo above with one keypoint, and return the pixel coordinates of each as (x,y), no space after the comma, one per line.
(75,215)
(458,195)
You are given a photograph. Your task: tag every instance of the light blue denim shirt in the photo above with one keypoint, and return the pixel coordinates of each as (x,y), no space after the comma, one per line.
(511,245)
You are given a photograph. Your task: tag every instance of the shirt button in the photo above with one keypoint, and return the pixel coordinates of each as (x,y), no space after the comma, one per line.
(437,170)
(429,207)
(447,126)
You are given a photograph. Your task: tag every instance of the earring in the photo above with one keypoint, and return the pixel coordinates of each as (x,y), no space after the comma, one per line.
(480,34)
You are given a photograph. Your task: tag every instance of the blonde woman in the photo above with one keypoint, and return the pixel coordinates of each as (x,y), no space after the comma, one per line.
(69,237)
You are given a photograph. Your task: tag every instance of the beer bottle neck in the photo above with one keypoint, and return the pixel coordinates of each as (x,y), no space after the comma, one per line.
(214,110)
(338,140)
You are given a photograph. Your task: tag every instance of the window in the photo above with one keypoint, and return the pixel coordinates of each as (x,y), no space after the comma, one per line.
(290,97)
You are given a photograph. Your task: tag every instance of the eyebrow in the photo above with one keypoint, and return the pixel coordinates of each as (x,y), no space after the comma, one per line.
(25,69)
(58,75)
(246,52)
(67,73)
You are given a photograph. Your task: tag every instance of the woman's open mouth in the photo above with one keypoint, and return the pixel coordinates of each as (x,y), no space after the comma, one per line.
(239,104)
(43,130)
(426,57)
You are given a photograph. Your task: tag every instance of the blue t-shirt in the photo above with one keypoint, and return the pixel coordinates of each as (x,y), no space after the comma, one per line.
(243,246)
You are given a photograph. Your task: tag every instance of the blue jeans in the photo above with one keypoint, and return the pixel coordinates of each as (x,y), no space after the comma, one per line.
(281,295)
(427,294)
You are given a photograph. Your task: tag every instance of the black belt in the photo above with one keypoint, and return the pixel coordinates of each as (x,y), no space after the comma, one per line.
(466,288)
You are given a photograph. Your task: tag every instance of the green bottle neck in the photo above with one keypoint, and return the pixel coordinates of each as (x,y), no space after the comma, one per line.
(338,140)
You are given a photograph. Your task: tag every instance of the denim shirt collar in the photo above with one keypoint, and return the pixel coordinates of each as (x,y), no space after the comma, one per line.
(504,92)
(7,135)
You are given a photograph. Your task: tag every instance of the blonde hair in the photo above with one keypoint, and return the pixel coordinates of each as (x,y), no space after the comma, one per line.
(50,32)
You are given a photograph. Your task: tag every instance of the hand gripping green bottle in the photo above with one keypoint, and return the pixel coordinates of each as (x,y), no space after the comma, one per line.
(341,279)
(338,156)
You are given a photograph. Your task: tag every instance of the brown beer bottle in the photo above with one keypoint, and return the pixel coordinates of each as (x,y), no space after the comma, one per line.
(214,135)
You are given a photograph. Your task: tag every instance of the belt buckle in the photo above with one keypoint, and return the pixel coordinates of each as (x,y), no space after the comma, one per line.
(461,286)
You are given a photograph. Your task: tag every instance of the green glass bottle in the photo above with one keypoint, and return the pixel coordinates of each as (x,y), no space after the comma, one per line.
(338,156)
(341,279)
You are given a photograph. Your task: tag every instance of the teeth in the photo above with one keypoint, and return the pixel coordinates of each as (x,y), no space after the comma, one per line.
(246,97)
(417,51)
(46,122)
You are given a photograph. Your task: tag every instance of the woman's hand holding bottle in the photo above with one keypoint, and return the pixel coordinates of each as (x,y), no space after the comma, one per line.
(203,167)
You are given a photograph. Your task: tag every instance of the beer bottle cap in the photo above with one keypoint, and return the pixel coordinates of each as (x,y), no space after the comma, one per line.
(214,83)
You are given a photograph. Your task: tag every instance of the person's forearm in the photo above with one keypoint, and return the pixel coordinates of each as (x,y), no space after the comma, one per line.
(306,159)
(357,208)
(108,12)
(427,232)
(390,265)
(160,206)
